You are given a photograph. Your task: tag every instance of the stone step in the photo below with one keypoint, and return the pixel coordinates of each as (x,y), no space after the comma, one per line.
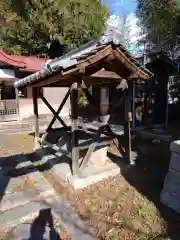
(10,201)
(58,164)
(59,208)
(20,198)
(8,184)
(16,127)
(37,178)
(15,216)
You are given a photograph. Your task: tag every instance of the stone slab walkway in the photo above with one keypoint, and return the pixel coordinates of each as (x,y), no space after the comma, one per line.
(28,201)
(27,125)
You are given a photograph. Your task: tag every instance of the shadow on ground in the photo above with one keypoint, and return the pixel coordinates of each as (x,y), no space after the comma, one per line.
(9,168)
(42,228)
(147,176)
(38,227)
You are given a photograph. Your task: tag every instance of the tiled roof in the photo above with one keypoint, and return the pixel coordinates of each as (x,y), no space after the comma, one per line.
(161,57)
(24,63)
(72,58)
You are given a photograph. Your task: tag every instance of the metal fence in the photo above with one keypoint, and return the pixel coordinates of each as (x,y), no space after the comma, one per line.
(8,110)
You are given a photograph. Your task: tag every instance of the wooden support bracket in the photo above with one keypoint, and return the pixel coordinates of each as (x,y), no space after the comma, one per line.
(59,110)
(90,150)
(53,111)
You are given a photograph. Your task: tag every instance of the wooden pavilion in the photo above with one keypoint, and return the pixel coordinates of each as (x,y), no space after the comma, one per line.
(102,63)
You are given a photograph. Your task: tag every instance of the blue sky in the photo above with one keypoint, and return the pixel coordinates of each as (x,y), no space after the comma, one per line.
(118,6)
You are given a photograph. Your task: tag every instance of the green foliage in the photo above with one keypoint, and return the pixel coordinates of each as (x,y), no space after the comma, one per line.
(27,26)
(160,19)
(82,99)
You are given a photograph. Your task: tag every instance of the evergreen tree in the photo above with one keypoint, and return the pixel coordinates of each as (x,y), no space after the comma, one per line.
(28,26)
(160,19)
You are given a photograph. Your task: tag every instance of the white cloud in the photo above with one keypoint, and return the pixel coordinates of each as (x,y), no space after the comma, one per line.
(113,21)
(135,30)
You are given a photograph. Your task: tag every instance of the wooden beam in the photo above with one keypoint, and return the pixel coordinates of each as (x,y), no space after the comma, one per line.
(129,64)
(61,76)
(116,140)
(88,81)
(133,76)
(62,83)
(47,80)
(36,115)
(102,77)
(106,74)
(100,80)
(59,110)
(74,128)
(90,151)
(53,111)
(122,84)
(17,101)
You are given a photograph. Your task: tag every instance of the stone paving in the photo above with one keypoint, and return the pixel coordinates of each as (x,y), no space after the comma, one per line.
(27,125)
(29,206)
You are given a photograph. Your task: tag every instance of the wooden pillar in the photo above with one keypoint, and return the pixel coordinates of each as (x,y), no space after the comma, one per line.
(127,127)
(167,105)
(36,117)
(17,102)
(74,128)
(146,105)
(134,105)
(1,89)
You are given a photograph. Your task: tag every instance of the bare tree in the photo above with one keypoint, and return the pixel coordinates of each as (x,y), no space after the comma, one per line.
(121,28)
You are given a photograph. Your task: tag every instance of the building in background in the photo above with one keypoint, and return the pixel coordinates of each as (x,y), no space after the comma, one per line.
(18,105)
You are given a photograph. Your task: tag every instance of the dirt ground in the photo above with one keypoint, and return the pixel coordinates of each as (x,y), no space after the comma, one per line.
(116,210)
(126,206)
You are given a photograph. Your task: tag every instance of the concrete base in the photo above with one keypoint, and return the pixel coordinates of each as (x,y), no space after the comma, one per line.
(96,170)
(175,146)
(99,157)
(91,174)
